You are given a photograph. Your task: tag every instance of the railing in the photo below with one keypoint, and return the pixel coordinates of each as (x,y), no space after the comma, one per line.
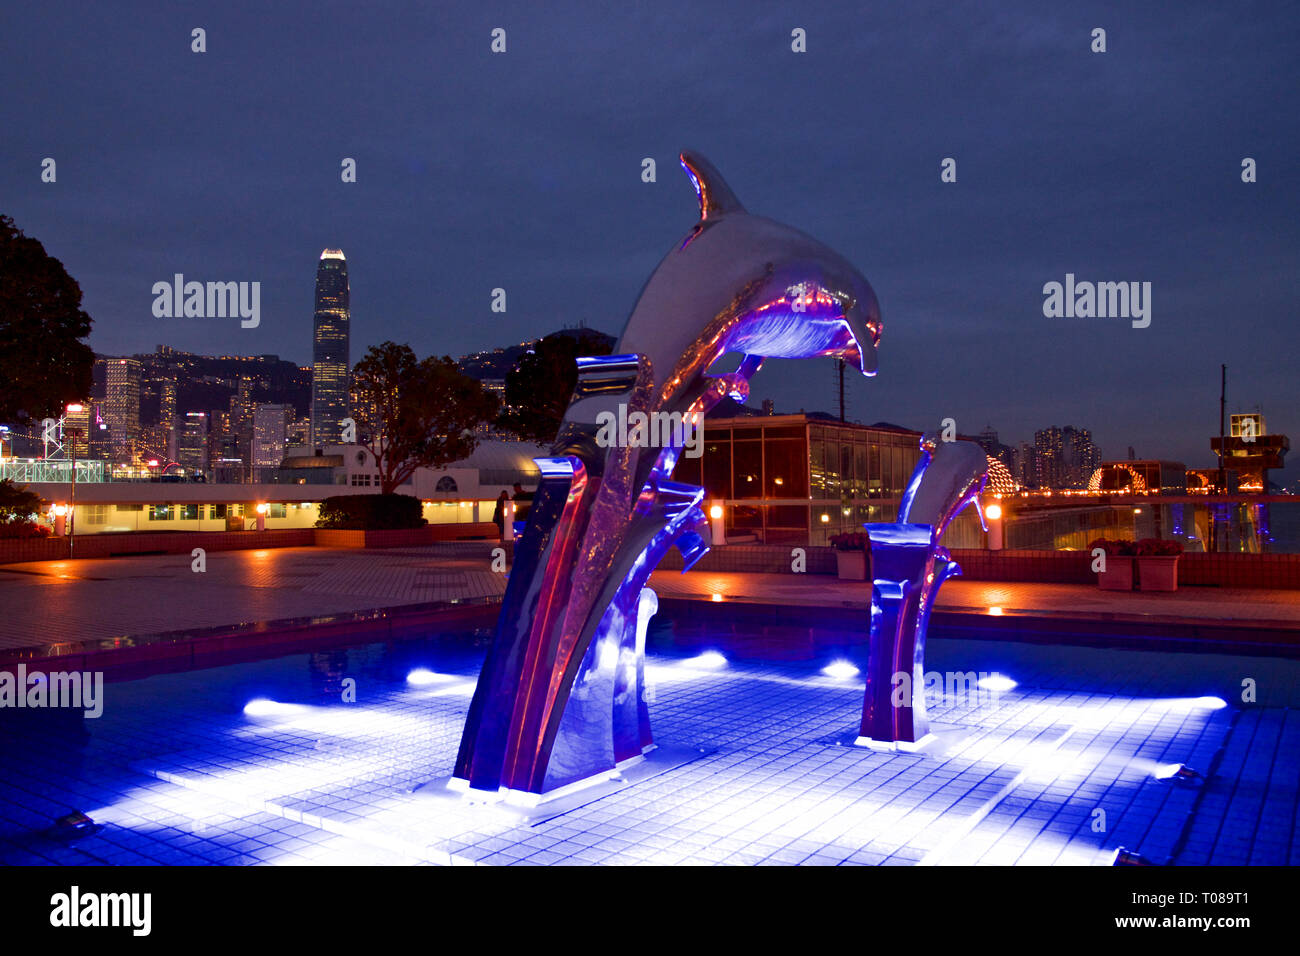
(812,521)
(1254,524)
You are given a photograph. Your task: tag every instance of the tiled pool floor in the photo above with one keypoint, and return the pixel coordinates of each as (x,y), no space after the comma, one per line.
(1058,770)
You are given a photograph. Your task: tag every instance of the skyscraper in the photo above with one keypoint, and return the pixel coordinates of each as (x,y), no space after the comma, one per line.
(122,405)
(1047,457)
(270,433)
(330,359)
(192,450)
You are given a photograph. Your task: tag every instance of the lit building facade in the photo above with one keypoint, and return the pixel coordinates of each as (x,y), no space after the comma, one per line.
(330,349)
(819,476)
(192,442)
(122,405)
(270,435)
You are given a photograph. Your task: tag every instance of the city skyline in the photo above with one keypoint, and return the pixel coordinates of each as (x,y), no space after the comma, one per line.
(1088,171)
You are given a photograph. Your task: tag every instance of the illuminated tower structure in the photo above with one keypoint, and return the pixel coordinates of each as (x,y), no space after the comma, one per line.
(1251,452)
(330,340)
(122,405)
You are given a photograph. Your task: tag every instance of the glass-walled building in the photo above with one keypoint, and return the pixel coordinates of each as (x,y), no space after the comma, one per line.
(819,476)
(330,349)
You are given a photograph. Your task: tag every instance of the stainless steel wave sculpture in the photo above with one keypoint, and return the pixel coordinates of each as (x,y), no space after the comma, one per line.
(908,566)
(560,700)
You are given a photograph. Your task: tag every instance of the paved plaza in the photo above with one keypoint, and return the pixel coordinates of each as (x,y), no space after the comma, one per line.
(59,601)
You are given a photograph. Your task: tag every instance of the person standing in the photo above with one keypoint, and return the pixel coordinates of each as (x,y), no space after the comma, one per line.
(499,514)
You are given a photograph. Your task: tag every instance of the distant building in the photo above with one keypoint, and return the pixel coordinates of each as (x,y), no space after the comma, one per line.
(828,476)
(192,442)
(122,405)
(270,435)
(1250,451)
(1064,457)
(1025,466)
(988,440)
(330,349)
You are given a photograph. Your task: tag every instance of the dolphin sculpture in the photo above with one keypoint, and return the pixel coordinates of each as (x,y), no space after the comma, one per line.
(560,699)
(908,566)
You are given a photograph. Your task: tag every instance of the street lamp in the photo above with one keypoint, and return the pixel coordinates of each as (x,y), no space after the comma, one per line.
(72,506)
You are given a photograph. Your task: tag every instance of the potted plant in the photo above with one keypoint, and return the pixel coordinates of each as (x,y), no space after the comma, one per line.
(1158,564)
(851,555)
(1116,573)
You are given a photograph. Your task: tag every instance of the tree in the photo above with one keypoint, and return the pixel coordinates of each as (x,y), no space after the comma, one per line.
(43,362)
(539,388)
(17,507)
(416,414)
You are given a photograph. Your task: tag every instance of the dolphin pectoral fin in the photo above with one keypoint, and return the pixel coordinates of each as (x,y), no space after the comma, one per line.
(716,197)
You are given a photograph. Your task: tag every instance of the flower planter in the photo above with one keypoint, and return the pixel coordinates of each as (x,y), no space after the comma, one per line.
(851,565)
(1118,575)
(1158,572)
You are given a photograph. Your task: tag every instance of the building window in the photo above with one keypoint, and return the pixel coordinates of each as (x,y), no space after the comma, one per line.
(189,512)
(276,510)
(96,514)
(160,512)
(446,483)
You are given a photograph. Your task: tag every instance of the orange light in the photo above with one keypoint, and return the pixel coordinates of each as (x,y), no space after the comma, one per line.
(715,512)
(993,512)
(263,508)
(76,407)
(60,510)
(995,611)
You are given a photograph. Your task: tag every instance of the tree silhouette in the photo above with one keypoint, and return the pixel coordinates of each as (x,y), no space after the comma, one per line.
(539,388)
(43,362)
(414,414)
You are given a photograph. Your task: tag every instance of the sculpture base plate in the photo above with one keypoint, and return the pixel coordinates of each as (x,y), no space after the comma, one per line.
(942,739)
(530,809)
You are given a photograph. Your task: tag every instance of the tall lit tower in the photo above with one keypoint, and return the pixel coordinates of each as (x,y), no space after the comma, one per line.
(122,405)
(330,334)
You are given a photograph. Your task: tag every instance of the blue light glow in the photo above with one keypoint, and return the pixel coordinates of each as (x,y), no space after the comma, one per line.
(423,677)
(997,683)
(265,707)
(840,670)
(709,660)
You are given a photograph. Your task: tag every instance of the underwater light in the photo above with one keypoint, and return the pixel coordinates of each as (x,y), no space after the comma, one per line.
(709,659)
(265,707)
(74,824)
(840,669)
(1179,773)
(1126,857)
(997,683)
(423,677)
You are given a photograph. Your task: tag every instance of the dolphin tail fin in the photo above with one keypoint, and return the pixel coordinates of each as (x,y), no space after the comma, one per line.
(716,197)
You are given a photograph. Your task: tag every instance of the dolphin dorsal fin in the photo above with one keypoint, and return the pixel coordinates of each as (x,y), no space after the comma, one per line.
(716,197)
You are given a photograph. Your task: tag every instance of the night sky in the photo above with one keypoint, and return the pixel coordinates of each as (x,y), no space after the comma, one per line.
(523,170)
